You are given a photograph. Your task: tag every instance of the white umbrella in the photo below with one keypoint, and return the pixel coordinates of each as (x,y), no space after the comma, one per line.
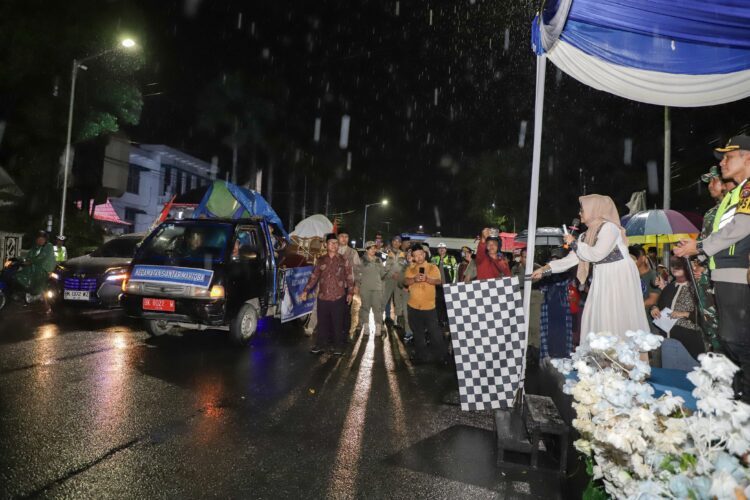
(315,225)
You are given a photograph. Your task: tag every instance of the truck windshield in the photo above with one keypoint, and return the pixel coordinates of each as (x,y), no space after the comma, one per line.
(182,244)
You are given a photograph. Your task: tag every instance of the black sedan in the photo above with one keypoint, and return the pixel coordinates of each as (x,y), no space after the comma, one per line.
(93,280)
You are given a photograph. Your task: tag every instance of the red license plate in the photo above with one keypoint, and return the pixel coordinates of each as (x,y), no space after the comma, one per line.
(166,305)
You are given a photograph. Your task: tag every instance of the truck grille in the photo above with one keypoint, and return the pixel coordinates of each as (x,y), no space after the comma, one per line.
(154,289)
(82,284)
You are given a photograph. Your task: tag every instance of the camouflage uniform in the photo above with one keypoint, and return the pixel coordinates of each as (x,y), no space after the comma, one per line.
(710,323)
(708,222)
(395,264)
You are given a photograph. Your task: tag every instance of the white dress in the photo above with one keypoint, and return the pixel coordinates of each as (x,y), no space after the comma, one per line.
(615,301)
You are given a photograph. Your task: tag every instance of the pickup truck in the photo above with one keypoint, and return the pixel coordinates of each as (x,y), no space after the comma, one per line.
(206,273)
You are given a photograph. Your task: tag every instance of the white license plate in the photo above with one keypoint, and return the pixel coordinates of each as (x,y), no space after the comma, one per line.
(76,295)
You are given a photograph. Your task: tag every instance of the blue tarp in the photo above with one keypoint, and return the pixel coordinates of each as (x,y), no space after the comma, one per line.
(248,203)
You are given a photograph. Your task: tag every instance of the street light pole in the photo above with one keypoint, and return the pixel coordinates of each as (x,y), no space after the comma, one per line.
(364,225)
(66,161)
(78,64)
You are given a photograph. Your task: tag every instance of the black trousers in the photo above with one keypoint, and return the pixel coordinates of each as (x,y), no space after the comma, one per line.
(440,305)
(733,305)
(427,321)
(332,322)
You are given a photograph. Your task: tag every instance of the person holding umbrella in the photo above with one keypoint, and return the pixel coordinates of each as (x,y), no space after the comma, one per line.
(615,301)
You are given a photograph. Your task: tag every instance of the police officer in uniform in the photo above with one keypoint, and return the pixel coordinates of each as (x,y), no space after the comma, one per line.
(728,246)
(61,253)
(448,266)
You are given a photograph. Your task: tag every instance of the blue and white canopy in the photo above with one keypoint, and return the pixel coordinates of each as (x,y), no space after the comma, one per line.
(683,53)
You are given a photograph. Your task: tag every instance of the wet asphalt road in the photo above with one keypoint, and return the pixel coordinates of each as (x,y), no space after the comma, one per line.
(94,408)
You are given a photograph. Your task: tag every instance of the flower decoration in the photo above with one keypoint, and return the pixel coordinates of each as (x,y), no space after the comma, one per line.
(641,446)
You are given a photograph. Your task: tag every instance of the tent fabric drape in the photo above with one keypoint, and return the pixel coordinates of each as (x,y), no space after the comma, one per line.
(650,86)
(685,54)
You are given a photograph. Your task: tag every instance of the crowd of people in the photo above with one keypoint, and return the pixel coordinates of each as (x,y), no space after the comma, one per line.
(400,285)
(595,283)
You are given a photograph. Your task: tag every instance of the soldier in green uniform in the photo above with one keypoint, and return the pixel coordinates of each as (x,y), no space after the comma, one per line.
(717,188)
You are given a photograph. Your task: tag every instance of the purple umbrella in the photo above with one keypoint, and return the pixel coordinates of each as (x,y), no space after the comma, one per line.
(665,225)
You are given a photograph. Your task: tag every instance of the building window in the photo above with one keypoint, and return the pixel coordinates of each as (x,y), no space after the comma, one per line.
(167,180)
(130,215)
(134,179)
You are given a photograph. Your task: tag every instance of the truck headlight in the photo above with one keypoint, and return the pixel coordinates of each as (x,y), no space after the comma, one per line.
(215,292)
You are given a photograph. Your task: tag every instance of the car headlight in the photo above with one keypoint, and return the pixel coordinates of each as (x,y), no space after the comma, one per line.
(54,276)
(116,273)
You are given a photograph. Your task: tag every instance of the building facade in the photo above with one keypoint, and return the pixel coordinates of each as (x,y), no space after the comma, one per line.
(155,174)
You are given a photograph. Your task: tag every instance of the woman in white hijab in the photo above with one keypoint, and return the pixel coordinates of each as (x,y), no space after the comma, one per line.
(615,302)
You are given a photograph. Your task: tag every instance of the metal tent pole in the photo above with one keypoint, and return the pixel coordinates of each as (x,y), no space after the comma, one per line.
(541,66)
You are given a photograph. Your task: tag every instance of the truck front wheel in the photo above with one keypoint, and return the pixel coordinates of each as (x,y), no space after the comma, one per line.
(244,325)
(157,327)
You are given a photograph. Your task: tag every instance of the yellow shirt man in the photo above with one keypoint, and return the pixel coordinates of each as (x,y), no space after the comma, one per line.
(422,294)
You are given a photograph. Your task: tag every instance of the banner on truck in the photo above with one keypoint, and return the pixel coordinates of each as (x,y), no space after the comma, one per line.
(292,307)
(169,275)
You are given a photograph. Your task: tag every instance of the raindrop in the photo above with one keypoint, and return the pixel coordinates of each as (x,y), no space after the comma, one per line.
(627,157)
(506,44)
(349,161)
(56,87)
(266,53)
(190,7)
(344,135)
(436,96)
(522,134)
(252,28)
(653,177)
(429,137)
(430,17)
(239,21)
(550,166)
(398,8)
(558,76)
(316,133)
(436,211)
(674,46)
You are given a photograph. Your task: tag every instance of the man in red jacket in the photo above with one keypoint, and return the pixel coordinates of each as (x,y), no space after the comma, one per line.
(490,262)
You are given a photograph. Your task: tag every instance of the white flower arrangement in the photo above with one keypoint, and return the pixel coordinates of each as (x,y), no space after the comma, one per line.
(645,447)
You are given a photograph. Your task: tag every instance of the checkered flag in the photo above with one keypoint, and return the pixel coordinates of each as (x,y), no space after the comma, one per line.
(488,332)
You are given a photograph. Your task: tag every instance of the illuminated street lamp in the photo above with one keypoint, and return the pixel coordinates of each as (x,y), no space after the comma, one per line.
(384,202)
(125,43)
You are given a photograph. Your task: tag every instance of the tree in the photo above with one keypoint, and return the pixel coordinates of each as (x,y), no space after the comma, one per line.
(38,42)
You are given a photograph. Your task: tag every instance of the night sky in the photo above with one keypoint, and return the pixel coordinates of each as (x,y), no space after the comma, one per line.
(439,94)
